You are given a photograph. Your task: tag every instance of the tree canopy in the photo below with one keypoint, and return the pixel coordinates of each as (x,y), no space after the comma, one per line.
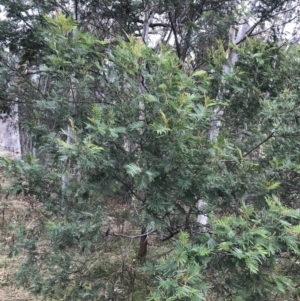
(117,103)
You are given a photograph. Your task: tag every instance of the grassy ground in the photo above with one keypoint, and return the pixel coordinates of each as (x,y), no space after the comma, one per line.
(121,269)
(12,210)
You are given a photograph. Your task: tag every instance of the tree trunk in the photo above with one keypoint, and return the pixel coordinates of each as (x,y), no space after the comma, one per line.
(147,21)
(70,132)
(9,134)
(235,37)
(143,245)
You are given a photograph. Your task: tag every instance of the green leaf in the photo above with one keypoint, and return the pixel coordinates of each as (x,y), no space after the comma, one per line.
(132,169)
(160,128)
(294,229)
(238,253)
(137,125)
(252,265)
(150,98)
(183,238)
(225,246)
(273,185)
(200,73)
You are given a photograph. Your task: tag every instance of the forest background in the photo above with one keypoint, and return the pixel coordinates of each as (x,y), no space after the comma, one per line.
(159,148)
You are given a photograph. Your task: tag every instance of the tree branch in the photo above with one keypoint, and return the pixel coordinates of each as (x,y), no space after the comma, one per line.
(259,144)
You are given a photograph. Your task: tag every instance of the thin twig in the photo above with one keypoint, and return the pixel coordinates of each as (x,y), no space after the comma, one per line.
(133,237)
(259,144)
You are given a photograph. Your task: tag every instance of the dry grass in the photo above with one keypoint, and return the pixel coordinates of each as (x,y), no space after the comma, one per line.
(120,269)
(8,291)
(12,210)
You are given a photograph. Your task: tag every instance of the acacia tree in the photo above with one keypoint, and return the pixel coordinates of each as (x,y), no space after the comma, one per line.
(164,160)
(191,28)
(168,111)
(247,175)
(250,200)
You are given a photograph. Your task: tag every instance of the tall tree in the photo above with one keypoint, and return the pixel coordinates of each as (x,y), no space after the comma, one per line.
(140,126)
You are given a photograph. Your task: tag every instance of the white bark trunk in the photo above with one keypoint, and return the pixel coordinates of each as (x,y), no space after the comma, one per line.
(235,37)
(70,133)
(9,134)
(147,21)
